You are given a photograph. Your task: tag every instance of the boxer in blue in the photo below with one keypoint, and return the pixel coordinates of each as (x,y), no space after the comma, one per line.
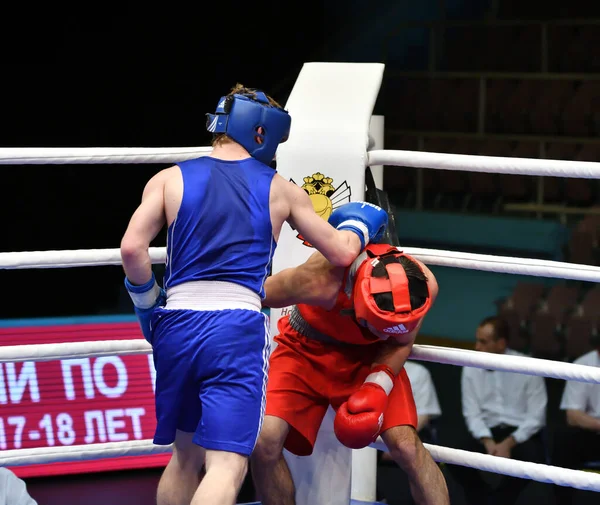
(210,340)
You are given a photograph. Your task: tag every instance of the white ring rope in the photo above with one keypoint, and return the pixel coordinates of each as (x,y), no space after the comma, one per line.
(491,164)
(578,479)
(441,161)
(437,354)
(506,363)
(501,264)
(69,259)
(470,261)
(98,155)
(506,264)
(70,350)
(63,454)
(534,471)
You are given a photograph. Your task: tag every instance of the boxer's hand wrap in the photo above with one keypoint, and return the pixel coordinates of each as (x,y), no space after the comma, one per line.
(144,296)
(368,221)
(145,299)
(358,421)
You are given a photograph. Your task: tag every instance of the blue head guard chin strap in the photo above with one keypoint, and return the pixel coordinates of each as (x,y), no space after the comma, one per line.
(239,116)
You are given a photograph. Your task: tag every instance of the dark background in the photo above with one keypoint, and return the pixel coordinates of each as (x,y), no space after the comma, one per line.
(98,77)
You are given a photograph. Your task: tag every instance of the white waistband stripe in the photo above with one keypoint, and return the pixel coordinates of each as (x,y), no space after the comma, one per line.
(212,295)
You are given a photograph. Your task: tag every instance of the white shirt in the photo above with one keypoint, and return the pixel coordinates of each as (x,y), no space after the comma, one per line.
(424,392)
(583,396)
(490,398)
(13,490)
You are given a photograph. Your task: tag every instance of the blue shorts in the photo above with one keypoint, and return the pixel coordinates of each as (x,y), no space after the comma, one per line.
(211,376)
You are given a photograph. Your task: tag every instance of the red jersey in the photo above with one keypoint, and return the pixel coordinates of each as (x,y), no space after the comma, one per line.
(334,322)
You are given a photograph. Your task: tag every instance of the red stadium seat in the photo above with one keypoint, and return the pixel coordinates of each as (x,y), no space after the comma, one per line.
(545,111)
(578,332)
(591,301)
(524,298)
(580,109)
(560,300)
(515,113)
(436,93)
(588,152)
(518,338)
(460,112)
(464,48)
(497,93)
(544,339)
(591,224)
(581,249)
(568,48)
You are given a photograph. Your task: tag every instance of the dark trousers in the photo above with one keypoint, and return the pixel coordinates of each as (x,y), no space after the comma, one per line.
(572,448)
(479,491)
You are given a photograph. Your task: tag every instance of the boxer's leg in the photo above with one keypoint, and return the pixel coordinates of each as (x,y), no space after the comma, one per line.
(295,409)
(178,408)
(225,472)
(181,477)
(231,367)
(427,483)
(270,473)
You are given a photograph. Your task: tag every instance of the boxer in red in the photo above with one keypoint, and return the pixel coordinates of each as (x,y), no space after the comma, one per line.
(344,344)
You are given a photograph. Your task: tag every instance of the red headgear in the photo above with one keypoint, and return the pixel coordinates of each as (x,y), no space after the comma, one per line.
(402,320)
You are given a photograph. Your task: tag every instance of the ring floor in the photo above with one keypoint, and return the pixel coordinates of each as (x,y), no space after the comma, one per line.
(125,487)
(138,487)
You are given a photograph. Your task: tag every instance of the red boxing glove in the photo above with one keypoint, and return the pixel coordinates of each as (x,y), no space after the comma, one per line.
(359,419)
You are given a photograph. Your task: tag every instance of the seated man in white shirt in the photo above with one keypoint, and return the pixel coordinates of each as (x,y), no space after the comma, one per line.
(505,413)
(579,441)
(391,480)
(13,490)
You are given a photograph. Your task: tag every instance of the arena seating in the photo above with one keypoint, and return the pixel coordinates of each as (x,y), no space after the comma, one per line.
(526,111)
(553,323)
(492,48)
(582,323)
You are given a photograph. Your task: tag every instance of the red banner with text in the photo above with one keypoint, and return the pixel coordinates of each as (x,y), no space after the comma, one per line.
(77,401)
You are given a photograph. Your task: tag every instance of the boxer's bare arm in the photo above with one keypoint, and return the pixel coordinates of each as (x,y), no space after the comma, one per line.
(144,226)
(291,203)
(396,351)
(581,419)
(315,282)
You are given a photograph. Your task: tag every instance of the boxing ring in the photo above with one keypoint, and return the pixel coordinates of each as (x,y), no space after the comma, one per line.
(454,357)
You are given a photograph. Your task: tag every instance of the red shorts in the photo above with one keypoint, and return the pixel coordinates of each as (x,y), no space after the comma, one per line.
(306,376)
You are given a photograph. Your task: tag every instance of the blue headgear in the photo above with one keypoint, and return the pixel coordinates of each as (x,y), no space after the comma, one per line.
(239,116)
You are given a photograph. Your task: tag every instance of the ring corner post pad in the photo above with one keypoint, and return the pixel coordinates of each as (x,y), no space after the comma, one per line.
(380,197)
(331,105)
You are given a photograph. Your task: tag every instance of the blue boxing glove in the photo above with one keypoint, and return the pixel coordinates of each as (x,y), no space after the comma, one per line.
(368,221)
(146,298)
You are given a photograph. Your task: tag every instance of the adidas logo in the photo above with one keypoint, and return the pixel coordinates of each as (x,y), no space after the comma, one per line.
(221,105)
(399,328)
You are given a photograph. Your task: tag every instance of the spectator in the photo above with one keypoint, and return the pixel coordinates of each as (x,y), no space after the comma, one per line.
(505,413)
(578,442)
(426,400)
(13,491)
(392,482)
